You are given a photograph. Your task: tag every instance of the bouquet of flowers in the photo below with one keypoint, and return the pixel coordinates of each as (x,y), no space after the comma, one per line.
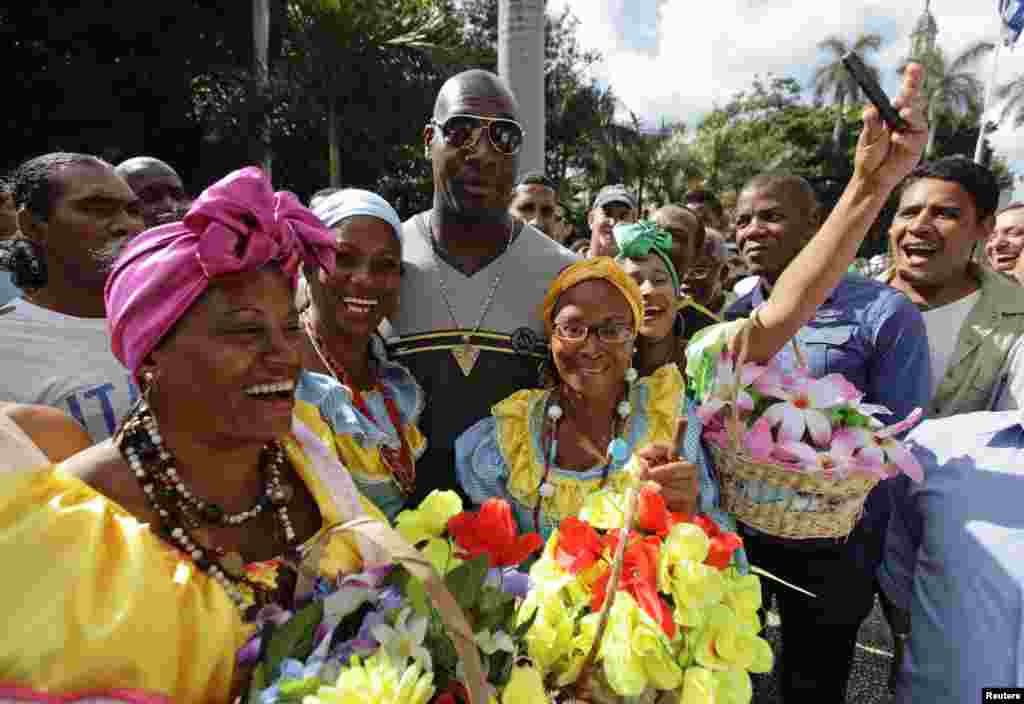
(807,424)
(653,608)
(796,455)
(388,636)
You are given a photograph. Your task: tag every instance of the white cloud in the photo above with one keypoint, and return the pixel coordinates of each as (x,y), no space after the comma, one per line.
(709,49)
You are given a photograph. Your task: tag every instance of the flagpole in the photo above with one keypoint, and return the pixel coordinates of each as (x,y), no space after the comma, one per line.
(983,128)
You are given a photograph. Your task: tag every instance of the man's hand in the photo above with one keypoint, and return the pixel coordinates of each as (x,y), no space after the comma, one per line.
(883,156)
(676,478)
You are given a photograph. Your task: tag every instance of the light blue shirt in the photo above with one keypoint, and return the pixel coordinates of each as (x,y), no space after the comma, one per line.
(955,557)
(8,291)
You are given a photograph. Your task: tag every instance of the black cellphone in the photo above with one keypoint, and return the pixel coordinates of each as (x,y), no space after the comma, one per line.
(875,94)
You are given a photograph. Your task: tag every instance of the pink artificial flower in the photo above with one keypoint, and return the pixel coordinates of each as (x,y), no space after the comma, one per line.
(726,381)
(757,439)
(804,405)
(879,451)
(838,461)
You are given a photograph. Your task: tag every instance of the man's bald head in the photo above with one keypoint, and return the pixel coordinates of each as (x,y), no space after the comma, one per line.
(790,187)
(475,87)
(687,232)
(158,186)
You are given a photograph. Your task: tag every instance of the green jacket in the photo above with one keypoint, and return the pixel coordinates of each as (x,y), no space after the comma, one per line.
(979,376)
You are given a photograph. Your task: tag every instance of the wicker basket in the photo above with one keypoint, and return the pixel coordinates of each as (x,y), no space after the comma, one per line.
(778,500)
(816,507)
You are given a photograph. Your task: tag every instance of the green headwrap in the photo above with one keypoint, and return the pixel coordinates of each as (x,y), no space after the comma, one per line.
(640,239)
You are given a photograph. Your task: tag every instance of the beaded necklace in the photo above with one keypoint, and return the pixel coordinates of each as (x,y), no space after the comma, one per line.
(181,512)
(399,462)
(617,451)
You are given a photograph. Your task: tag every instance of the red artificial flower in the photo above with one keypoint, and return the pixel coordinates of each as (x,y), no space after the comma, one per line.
(492,532)
(640,579)
(723,546)
(456,693)
(706,524)
(652,511)
(579,546)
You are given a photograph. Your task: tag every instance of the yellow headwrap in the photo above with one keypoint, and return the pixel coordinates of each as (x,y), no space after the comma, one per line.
(603,268)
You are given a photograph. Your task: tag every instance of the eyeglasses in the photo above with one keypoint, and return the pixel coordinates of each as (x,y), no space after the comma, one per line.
(608,333)
(463,131)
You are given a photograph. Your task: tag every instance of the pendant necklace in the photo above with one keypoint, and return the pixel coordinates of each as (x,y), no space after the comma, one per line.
(467,353)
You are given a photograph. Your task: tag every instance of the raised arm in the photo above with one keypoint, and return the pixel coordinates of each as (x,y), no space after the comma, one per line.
(883,159)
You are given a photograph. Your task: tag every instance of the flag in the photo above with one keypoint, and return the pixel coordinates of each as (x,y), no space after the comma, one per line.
(1012,13)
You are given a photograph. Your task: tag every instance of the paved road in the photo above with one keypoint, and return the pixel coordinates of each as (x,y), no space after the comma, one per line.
(870,674)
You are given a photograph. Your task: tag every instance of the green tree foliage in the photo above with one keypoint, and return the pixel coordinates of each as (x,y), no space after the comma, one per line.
(832,82)
(769,127)
(951,86)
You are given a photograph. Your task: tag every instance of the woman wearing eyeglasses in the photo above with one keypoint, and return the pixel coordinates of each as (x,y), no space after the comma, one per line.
(545,449)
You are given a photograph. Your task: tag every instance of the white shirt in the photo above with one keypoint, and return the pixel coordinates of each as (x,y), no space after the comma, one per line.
(62,361)
(943,325)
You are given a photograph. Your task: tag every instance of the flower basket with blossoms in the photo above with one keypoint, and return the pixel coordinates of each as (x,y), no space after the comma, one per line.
(437,626)
(632,603)
(796,456)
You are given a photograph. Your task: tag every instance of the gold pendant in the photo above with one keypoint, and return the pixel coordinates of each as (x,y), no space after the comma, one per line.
(466,356)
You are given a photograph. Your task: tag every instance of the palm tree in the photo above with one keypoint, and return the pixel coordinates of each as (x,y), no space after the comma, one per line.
(950,87)
(1013,93)
(833,80)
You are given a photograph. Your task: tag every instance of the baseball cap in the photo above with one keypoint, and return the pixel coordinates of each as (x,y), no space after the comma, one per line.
(616,193)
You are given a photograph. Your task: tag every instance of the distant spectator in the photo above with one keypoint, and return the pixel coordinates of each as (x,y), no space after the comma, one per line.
(613,205)
(534,201)
(707,207)
(564,227)
(705,280)
(687,234)
(1003,248)
(161,194)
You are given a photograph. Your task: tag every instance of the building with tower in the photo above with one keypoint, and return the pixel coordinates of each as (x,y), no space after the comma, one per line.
(922,39)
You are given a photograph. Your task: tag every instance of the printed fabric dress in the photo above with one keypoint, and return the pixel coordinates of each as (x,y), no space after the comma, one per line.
(96,602)
(327,407)
(502,456)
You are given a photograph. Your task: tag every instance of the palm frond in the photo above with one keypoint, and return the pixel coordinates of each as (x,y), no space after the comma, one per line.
(868,42)
(970,55)
(834,44)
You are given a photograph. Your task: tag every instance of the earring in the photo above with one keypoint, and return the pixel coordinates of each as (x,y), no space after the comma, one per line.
(149,380)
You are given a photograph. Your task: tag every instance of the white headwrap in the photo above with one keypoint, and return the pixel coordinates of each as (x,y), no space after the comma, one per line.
(354,201)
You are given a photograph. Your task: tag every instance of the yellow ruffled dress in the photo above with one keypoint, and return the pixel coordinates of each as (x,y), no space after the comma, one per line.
(93,600)
(503,455)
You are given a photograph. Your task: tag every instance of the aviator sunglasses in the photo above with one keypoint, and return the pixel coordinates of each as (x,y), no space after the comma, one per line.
(463,131)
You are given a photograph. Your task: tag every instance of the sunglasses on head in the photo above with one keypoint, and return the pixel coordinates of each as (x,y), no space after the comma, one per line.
(463,131)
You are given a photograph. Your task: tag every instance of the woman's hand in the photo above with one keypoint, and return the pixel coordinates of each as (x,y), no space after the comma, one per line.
(676,478)
(883,155)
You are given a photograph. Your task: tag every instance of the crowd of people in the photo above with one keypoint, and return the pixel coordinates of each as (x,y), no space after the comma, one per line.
(193,387)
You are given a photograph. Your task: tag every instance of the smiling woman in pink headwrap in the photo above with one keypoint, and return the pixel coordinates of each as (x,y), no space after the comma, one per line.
(137,563)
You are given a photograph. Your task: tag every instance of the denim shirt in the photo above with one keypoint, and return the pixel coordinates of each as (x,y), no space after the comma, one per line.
(953,558)
(875,337)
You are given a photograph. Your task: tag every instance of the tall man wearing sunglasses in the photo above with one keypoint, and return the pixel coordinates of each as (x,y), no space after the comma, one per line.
(474,278)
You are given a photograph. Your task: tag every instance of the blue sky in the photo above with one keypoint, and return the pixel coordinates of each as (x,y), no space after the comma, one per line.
(675,59)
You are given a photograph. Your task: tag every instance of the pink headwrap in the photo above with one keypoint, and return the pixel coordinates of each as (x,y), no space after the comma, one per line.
(238,224)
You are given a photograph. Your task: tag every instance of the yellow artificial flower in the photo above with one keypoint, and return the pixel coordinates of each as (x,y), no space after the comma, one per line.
(430,518)
(684,542)
(695,587)
(582,642)
(441,554)
(524,685)
(549,639)
(724,643)
(702,686)
(635,651)
(604,509)
(377,681)
(743,594)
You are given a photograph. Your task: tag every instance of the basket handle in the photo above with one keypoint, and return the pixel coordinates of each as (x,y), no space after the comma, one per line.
(458,628)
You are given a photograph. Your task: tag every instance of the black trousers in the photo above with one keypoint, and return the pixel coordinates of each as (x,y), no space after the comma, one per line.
(819,635)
